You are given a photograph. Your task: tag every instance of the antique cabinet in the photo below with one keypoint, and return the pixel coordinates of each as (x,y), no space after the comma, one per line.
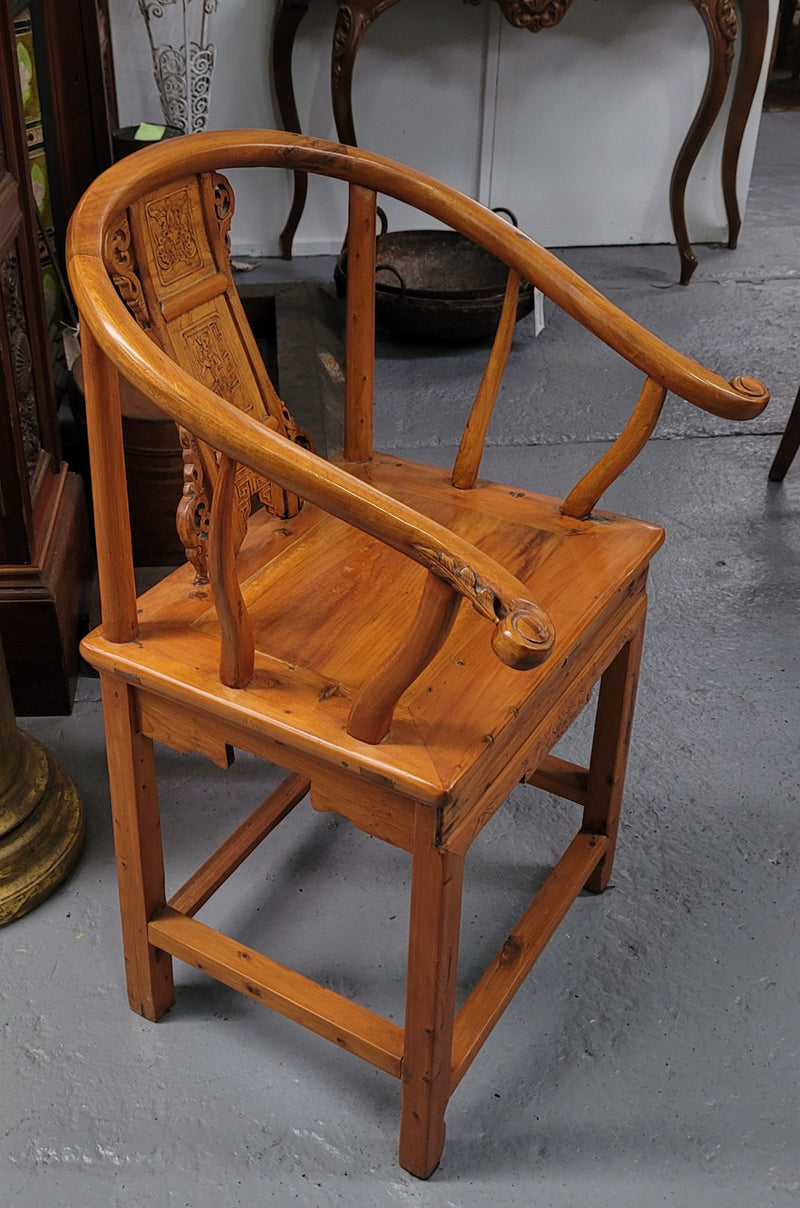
(44,542)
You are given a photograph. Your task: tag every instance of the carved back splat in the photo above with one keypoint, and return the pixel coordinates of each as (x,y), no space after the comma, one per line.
(170,261)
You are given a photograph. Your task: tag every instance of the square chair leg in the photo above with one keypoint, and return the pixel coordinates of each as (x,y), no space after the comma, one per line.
(437,878)
(137,841)
(612,736)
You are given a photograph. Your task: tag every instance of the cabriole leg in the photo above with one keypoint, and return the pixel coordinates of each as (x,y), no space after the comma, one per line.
(612,735)
(436,882)
(137,840)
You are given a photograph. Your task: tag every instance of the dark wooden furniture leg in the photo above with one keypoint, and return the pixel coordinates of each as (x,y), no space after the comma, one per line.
(790,443)
(287,22)
(352,22)
(754,18)
(720,23)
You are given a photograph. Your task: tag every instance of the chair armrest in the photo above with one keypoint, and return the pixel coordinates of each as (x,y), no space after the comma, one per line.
(524,633)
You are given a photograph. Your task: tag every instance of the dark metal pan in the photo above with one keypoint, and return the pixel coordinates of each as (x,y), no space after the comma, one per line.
(437,287)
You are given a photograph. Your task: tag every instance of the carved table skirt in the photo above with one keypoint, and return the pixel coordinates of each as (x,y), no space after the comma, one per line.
(722,27)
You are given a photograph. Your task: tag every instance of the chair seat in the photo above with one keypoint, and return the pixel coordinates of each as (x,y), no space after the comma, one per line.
(329,604)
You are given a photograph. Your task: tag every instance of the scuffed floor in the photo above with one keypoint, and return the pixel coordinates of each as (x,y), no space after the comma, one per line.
(652,1057)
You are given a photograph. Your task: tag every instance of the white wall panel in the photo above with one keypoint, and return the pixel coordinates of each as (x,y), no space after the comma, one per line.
(575,128)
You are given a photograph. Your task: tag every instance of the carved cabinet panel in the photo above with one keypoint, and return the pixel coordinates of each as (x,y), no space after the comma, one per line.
(43,525)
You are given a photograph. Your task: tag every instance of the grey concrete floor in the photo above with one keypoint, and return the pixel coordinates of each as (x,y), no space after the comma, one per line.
(652,1057)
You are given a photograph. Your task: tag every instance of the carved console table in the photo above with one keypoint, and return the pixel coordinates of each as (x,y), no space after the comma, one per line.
(722,26)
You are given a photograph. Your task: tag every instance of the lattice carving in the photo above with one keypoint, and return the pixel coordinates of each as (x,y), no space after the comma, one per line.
(120,262)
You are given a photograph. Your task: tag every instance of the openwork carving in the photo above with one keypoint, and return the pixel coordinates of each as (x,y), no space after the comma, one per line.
(120,263)
(175,244)
(193,518)
(223,207)
(182,72)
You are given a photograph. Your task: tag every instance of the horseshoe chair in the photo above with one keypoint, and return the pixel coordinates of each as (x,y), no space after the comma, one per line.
(409,644)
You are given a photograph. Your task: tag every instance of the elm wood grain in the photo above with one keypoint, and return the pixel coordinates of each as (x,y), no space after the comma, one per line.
(474,698)
(237,648)
(560,777)
(522,948)
(325,656)
(112,520)
(206,880)
(468,458)
(338,1019)
(437,879)
(359,367)
(485,787)
(137,843)
(372,710)
(630,442)
(609,758)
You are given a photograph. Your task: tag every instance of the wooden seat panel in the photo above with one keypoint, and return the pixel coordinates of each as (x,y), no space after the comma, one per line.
(312,585)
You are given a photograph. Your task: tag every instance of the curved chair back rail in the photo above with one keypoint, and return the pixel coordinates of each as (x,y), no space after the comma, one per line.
(131,179)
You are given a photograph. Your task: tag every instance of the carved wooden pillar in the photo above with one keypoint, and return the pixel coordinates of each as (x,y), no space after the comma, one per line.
(41,821)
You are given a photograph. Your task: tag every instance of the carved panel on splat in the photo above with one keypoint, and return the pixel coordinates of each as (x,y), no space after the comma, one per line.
(170,263)
(211,361)
(176,247)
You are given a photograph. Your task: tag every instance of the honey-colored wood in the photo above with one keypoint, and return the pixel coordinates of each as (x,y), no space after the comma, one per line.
(521,949)
(318,623)
(338,1019)
(470,451)
(206,880)
(630,442)
(359,384)
(372,710)
(137,841)
(237,650)
(560,777)
(112,524)
(609,759)
(436,885)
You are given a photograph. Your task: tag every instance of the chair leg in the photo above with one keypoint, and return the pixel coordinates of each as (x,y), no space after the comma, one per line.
(436,882)
(137,840)
(612,734)
(790,442)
